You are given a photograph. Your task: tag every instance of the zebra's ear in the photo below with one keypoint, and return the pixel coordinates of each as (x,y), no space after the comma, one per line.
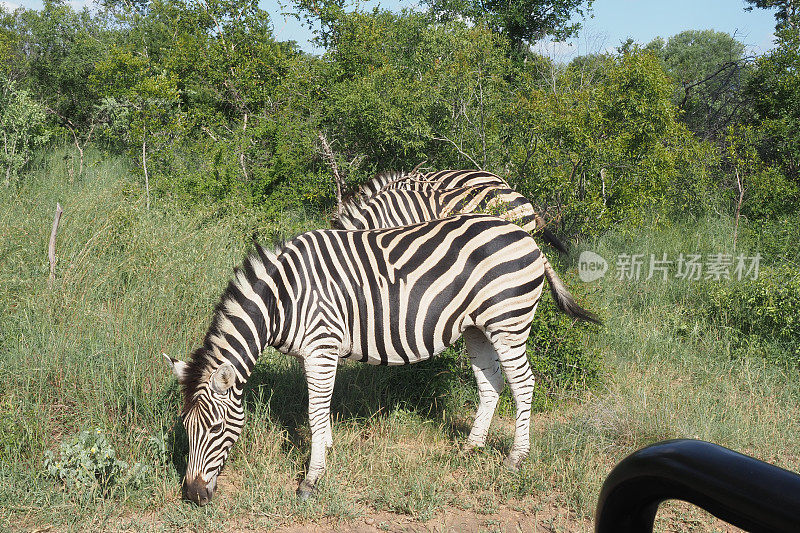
(178,368)
(223,378)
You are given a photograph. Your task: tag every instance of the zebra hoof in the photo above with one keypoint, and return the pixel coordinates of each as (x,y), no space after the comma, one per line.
(512,464)
(306,490)
(470,448)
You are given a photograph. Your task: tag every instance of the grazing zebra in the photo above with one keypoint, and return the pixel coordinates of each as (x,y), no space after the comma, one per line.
(385,296)
(464,191)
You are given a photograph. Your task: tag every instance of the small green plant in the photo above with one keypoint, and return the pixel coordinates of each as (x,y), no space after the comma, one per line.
(89,462)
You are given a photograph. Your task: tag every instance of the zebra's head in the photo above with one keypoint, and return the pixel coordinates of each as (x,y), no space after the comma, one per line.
(213,416)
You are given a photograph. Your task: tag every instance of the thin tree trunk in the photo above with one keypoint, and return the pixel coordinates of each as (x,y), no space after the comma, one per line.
(51,249)
(8,164)
(144,166)
(80,150)
(241,153)
(738,208)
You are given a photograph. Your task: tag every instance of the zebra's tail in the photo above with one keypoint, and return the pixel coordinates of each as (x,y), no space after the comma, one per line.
(564,299)
(548,236)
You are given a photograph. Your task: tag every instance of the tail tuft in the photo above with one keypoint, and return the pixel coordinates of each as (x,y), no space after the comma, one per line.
(564,299)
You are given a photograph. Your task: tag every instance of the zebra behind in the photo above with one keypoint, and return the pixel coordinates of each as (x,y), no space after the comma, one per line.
(385,296)
(466,191)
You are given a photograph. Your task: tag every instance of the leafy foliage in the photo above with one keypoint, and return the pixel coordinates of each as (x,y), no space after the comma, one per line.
(609,149)
(88,462)
(22,126)
(787,13)
(762,314)
(775,86)
(518,20)
(558,355)
(57,48)
(710,69)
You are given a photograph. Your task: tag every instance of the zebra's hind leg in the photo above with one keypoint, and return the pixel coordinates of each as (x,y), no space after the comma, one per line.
(486,366)
(320,374)
(514,360)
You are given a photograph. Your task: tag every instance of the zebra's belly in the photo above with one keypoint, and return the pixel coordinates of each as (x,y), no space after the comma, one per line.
(392,358)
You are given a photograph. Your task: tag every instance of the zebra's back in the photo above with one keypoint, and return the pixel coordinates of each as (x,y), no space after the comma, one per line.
(454,179)
(407,203)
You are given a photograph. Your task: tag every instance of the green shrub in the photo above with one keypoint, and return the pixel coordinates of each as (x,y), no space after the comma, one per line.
(88,462)
(770,194)
(607,150)
(761,315)
(22,128)
(776,238)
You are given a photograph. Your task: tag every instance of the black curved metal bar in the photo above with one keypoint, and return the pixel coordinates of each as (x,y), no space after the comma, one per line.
(743,491)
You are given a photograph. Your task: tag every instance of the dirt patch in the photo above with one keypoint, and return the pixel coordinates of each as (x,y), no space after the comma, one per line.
(682,516)
(547,519)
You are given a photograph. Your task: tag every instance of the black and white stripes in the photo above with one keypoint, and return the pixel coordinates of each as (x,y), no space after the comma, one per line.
(379,202)
(401,285)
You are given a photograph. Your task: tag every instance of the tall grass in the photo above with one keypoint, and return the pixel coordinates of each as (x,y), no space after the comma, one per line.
(132,283)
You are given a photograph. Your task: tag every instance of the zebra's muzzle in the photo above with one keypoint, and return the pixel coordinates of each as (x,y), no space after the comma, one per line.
(198,491)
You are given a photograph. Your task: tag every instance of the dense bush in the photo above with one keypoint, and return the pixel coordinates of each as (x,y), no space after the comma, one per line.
(761,315)
(22,126)
(560,360)
(775,90)
(603,144)
(205,99)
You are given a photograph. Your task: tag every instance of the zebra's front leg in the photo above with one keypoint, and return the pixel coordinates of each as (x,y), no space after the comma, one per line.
(320,374)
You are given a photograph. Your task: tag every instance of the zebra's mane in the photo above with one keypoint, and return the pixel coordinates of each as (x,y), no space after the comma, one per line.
(374,185)
(354,203)
(202,361)
(390,179)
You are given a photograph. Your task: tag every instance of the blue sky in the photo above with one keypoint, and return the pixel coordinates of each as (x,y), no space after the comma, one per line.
(613,21)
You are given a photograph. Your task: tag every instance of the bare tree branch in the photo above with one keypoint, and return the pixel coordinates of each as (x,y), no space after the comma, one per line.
(460,151)
(740,188)
(415,170)
(327,154)
(74,131)
(210,133)
(144,167)
(241,153)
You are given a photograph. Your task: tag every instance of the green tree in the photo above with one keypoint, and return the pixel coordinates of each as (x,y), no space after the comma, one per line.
(10,50)
(710,68)
(51,53)
(60,47)
(787,12)
(600,143)
(519,20)
(774,90)
(22,128)
(408,90)
(153,117)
